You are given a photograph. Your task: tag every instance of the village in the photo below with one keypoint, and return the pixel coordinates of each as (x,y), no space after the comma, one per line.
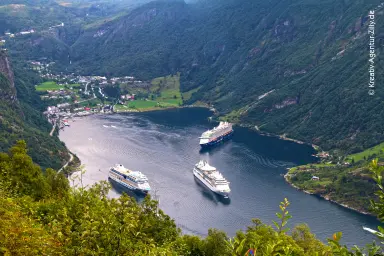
(71,95)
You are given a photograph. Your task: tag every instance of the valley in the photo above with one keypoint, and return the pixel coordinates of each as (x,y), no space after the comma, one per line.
(296,70)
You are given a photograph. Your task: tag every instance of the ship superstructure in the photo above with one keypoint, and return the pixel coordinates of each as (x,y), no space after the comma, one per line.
(211,178)
(133,180)
(216,135)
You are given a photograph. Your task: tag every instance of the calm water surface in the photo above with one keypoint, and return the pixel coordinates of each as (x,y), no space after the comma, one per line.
(164,145)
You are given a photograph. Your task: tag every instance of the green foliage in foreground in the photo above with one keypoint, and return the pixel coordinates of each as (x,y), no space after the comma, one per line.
(41,215)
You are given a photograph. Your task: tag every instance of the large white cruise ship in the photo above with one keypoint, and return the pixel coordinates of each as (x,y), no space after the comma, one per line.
(133,180)
(216,135)
(211,178)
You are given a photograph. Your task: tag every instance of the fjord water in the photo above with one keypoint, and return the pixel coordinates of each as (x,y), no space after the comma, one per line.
(164,145)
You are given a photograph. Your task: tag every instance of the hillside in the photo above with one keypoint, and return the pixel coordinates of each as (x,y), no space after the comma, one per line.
(344,180)
(56,25)
(21,118)
(294,68)
(311,57)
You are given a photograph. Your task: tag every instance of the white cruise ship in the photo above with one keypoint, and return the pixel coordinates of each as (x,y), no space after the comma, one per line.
(211,178)
(216,135)
(133,180)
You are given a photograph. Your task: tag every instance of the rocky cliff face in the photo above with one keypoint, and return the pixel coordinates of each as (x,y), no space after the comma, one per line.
(7,87)
(20,116)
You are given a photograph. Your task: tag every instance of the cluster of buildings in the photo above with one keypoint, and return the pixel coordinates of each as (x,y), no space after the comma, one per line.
(58,114)
(26,32)
(73,78)
(128,97)
(122,80)
(323,154)
(102,80)
(9,35)
(60,25)
(58,94)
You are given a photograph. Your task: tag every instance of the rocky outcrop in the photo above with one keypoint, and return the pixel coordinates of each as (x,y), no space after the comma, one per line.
(283,104)
(7,88)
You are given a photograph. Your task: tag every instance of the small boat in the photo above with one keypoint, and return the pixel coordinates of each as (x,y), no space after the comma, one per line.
(372,231)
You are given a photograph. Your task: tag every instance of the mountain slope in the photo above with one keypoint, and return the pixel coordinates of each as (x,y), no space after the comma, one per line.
(311,56)
(21,118)
(143,43)
(292,67)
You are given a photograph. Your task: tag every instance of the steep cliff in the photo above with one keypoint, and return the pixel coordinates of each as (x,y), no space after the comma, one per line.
(21,119)
(7,88)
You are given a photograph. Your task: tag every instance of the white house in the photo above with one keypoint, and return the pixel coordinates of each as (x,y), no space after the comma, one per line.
(315,178)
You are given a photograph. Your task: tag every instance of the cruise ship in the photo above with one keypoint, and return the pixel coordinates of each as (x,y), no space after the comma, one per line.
(132,180)
(212,178)
(216,135)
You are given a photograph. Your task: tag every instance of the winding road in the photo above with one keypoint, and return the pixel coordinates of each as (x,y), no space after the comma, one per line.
(70,160)
(53,128)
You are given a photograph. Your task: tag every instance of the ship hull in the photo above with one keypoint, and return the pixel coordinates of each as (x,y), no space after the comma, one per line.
(127,186)
(217,141)
(206,184)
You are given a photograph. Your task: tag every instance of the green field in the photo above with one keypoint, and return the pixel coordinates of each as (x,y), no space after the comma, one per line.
(53,86)
(315,166)
(90,103)
(73,85)
(169,89)
(376,151)
(163,93)
(48,86)
(142,104)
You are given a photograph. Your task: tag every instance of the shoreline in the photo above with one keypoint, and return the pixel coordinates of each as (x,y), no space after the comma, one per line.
(158,109)
(282,137)
(326,198)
